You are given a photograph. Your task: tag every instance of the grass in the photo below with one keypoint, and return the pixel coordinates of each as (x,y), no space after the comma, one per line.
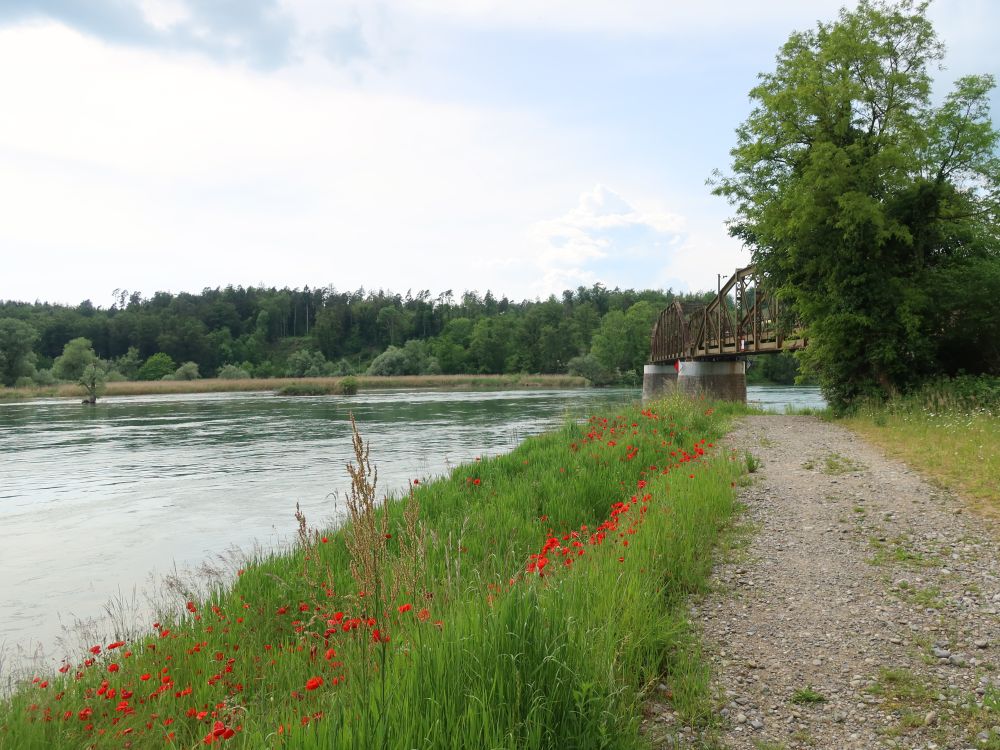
(901,687)
(807,696)
(320,386)
(835,464)
(525,601)
(948,439)
(895,552)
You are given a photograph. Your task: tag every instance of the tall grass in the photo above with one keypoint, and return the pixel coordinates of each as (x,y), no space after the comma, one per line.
(316,385)
(525,601)
(949,430)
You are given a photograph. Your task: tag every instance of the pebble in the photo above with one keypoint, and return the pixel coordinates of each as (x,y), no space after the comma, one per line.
(814,610)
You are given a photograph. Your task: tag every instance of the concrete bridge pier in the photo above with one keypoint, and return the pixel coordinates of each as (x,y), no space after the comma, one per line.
(658,381)
(725,380)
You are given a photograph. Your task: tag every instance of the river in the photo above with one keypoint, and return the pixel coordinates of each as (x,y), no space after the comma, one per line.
(99,502)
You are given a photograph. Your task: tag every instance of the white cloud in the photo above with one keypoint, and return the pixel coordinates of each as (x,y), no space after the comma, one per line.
(123,168)
(627,16)
(604,230)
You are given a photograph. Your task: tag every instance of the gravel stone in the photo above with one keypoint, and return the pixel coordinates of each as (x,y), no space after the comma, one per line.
(805,606)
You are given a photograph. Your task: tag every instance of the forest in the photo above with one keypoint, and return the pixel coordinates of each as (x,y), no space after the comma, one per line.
(238,332)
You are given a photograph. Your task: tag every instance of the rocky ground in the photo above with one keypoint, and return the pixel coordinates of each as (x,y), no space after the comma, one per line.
(862,612)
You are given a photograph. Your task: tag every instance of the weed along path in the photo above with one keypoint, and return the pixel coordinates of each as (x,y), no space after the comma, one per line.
(864,609)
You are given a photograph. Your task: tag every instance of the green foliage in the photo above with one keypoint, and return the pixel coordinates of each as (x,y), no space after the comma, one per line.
(187,371)
(233,372)
(16,356)
(349,386)
(307,332)
(413,358)
(156,367)
(92,379)
(307,364)
(860,199)
(807,696)
(128,364)
(621,343)
(44,377)
(76,356)
(590,367)
(777,369)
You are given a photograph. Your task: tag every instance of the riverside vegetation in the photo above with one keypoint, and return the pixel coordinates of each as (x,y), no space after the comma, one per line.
(524,601)
(302,386)
(949,429)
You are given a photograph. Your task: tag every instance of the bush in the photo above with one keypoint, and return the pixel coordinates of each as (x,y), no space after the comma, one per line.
(156,367)
(187,371)
(24,382)
(414,358)
(113,376)
(44,377)
(233,372)
(342,368)
(76,356)
(348,386)
(590,367)
(306,364)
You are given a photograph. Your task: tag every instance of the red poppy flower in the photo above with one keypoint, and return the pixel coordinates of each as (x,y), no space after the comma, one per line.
(313,682)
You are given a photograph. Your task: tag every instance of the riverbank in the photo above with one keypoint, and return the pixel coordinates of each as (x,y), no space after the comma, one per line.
(365,382)
(435,625)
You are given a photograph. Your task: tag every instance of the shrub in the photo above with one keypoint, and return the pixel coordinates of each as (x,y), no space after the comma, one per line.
(44,377)
(306,363)
(348,386)
(156,367)
(233,372)
(590,367)
(77,355)
(187,371)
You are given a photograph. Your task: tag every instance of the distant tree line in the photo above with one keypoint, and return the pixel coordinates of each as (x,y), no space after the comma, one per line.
(602,334)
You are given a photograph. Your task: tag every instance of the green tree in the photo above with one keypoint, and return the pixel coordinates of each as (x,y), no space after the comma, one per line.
(16,357)
(77,354)
(590,367)
(92,378)
(610,344)
(128,364)
(854,191)
(187,371)
(156,367)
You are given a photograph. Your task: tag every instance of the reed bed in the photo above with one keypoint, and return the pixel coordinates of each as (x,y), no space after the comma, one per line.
(318,385)
(526,601)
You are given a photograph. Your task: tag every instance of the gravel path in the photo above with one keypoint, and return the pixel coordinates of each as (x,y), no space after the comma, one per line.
(863,612)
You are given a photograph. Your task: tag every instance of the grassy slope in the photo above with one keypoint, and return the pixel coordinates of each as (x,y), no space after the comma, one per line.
(532,605)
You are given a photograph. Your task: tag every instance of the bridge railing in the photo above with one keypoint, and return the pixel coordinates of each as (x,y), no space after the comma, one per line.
(744,318)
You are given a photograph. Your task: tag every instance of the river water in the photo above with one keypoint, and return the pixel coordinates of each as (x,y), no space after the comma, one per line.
(96,503)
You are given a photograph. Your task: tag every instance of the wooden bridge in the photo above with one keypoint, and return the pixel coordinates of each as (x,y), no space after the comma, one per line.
(703,348)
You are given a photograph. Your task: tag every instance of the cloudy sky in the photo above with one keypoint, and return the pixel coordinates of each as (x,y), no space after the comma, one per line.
(522,146)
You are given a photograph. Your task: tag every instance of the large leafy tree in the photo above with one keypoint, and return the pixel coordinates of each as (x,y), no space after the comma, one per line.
(858,196)
(16,357)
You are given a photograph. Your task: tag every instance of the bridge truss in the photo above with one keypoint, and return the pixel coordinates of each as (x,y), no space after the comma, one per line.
(744,318)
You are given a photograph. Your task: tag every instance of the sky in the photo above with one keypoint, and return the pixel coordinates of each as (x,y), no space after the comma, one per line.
(519,146)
